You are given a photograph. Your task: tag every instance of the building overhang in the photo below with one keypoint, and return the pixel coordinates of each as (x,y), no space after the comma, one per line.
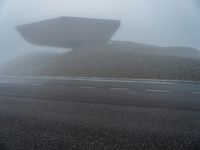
(69,32)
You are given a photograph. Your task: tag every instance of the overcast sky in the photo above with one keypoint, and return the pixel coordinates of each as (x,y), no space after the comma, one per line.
(159,22)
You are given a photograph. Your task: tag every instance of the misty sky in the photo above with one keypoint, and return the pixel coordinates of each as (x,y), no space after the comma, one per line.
(159,22)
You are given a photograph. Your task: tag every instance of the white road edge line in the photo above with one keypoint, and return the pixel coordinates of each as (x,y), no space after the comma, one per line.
(195,92)
(162,91)
(120,89)
(144,81)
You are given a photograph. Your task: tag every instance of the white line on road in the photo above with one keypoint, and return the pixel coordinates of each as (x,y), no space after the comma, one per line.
(86,87)
(195,92)
(120,89)
(95,79)
(36,84)
(162,91)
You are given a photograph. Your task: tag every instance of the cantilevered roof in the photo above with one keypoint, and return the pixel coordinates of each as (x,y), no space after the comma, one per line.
(69,32)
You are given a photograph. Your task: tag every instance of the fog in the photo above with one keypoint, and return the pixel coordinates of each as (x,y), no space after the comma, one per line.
(159,22)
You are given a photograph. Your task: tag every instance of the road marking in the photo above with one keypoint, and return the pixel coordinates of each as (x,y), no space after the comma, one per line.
(162,91)
(86,87)
(195,92)
(95,79)
(120,89)
(36,84)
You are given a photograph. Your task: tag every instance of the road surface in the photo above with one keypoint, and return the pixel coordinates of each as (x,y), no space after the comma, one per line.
(54,114)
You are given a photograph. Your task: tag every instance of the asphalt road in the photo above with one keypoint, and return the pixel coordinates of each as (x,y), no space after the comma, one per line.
(54,114)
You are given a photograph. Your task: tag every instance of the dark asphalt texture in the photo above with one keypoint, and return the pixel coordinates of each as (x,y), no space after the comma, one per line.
(58,114)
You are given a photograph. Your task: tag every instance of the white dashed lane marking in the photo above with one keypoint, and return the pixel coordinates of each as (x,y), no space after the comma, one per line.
(195,92)
(120,89)
(161,91)
(36,84)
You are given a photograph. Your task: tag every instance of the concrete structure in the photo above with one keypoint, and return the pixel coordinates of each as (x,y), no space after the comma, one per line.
(69,32)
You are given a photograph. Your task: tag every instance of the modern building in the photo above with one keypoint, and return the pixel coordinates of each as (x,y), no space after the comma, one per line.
(69,32)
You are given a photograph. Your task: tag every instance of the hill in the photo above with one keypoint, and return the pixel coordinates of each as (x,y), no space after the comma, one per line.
(117,60)
(187,52)
(28,64)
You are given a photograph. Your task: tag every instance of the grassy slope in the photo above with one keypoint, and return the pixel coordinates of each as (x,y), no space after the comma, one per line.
(28,64)
(120,60)
(112,63)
